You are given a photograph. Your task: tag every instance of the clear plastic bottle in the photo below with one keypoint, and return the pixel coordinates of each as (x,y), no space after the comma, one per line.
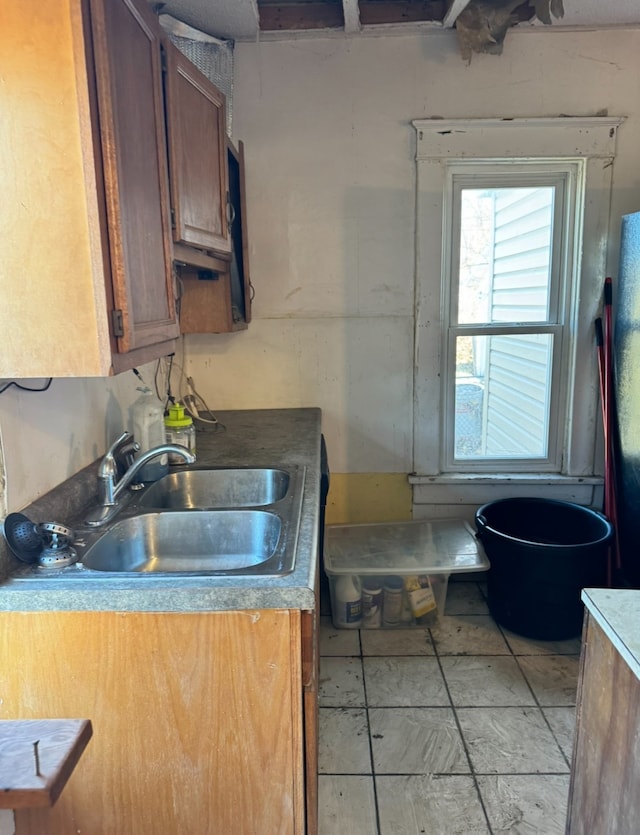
(179,429)
(147,417)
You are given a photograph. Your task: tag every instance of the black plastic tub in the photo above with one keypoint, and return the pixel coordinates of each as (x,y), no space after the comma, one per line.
(542,553)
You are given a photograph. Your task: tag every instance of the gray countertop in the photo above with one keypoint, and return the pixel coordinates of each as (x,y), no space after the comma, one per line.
(617,612)
(265,437)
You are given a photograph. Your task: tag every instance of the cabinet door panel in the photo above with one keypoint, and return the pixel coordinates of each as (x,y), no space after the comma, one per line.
(197,155)
(129,85)
(196,718)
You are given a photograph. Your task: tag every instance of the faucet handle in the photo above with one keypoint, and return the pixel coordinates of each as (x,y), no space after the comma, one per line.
(119,456)
(125,453)
(125,438)
(124,450)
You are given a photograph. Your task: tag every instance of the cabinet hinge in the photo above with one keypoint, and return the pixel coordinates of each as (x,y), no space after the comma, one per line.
(173,218)
(117,324)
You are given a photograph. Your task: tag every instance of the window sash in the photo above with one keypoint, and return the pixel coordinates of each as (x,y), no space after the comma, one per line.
(552,461)
(495,174)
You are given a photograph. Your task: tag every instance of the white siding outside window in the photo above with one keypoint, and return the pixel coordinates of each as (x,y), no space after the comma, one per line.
(518,374)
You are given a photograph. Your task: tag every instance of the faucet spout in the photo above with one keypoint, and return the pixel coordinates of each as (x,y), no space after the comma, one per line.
(149,455)
(114,475)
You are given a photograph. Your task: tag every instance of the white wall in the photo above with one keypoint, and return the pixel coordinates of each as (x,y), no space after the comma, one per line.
(331,182)
(49,436)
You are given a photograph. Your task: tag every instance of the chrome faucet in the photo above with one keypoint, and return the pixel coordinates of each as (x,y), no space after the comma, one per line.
(118,469)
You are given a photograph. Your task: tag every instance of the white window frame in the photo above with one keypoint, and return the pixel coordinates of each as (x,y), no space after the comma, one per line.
(565,140)
(567,178)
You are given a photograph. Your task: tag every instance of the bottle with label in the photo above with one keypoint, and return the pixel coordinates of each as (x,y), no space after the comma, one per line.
(147,416)
(179,429)
(392,602)
(347,602)
(421,597)
(371,603)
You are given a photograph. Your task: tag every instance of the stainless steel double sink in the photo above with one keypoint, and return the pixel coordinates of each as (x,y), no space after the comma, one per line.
(201,520)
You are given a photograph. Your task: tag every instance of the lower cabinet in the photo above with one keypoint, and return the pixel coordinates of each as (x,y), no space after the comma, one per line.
(199,719)
(603,796)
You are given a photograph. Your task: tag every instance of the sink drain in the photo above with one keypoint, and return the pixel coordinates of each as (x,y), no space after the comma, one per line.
(48,544)
(57,541)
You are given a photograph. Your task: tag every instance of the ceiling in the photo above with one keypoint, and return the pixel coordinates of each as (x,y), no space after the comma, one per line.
(249,20)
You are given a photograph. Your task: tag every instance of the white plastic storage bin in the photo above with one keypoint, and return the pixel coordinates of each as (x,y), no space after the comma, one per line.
(390,575)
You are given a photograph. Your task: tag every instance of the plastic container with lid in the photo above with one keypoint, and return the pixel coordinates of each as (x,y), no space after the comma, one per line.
(147,417)
(179,429)
(411,560)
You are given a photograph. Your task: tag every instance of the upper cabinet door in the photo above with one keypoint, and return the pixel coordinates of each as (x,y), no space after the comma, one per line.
(196,128)
(126,42)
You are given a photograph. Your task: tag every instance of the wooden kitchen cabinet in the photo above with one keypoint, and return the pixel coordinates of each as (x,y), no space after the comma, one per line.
(217,294)
(198,718)
(196,130)
(86,280)
(603,796)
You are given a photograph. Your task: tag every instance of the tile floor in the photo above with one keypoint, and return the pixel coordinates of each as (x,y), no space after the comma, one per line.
(463,729)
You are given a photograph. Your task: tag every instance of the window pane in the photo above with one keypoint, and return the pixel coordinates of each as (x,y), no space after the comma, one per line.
(502,396)
(506,237)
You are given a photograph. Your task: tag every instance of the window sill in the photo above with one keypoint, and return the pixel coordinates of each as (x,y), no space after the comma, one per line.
(536,479)
(457,495)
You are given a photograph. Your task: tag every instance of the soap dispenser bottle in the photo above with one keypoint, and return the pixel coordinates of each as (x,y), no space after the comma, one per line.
(180,430)
(148,430)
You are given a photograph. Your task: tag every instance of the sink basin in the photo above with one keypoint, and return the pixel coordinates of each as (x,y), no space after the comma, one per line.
(195,488)
(218,541)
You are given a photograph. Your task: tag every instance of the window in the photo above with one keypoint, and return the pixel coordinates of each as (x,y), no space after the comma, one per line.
(507,297)
(511,226)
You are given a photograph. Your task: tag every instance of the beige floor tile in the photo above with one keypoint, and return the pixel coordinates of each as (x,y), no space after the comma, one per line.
(520,752)
(531,804)
(485,681)
(416,641)
(563,724)
(340,683)
(510,740)
(346,805)
(338,641)
(404,682)
(439,805)
(468,635)
(465,599)
(416,741)
(343,743)
(553,678)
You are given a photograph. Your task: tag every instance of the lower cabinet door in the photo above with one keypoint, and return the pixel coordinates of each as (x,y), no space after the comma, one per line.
(197,718)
